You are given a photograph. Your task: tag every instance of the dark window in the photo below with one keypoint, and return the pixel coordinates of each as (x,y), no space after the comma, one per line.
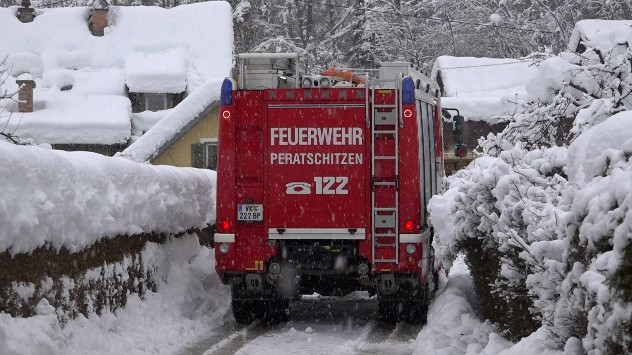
(211,155)
(204,155)
(155,102)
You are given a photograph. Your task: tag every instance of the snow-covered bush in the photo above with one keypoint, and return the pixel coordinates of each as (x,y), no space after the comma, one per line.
(546,229)
(505,211)
(600,234)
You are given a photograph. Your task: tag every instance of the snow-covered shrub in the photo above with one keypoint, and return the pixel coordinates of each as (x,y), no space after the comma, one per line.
(600,165)
(554,222)
(550,229)
(505,212)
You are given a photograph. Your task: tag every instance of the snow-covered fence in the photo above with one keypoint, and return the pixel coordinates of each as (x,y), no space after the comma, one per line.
(74,225)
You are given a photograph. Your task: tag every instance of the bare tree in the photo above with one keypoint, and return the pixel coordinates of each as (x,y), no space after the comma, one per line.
(6,97)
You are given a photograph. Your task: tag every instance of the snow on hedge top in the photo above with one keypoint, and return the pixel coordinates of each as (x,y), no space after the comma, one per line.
(586,152)
(602,34)
(73,199)
(482,88)
(148,49)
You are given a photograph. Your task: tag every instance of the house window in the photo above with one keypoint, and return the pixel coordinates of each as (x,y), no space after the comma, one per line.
(155,102)
(204,155)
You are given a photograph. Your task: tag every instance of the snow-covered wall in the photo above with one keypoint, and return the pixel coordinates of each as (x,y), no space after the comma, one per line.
(74,199)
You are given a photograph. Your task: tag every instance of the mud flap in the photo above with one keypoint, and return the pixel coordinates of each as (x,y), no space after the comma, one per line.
(387,284)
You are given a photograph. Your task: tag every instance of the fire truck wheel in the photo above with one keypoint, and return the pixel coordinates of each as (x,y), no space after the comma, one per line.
(275,311)
(244,311)
(389,311)
(416,312)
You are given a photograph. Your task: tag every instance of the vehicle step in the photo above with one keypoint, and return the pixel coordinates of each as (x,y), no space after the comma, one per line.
(384,157)
(385,260)
(384,131)
(384,245)
(385,209)
(384,183)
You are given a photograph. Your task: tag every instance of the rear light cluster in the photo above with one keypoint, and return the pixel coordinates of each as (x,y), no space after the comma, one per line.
(410,226)
(223,226)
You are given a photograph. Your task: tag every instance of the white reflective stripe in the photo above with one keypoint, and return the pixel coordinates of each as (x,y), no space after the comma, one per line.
(224,238)
(409,238)
(316,233)
(415,238)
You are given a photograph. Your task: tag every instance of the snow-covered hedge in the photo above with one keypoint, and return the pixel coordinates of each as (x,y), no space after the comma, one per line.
(74,199)
(559,221)
(547,230)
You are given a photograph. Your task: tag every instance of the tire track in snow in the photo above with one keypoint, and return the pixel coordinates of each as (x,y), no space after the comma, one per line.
(326,318)
(232,343)
(391,339)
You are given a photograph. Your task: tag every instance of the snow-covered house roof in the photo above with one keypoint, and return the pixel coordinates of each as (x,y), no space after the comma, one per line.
(603,34)
(170,128)
(482,88)
(81,80)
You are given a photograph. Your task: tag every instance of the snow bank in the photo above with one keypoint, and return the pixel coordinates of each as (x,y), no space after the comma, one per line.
(189,303)
(454,328)
(173,122)
(74,199)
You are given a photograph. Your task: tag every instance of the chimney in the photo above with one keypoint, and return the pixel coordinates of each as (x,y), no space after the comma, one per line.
(25,95)
(99,17)
(26,13)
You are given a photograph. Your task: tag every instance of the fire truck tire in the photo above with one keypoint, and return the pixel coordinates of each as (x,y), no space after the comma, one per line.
(389,311)
(244,311)
(275,311)
(416,312)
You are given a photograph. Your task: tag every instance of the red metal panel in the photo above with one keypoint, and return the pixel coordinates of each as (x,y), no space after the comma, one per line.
(409,171)
(316,161)
(226,165)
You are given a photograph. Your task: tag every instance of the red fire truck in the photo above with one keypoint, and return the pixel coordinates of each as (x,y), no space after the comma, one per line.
(323,183)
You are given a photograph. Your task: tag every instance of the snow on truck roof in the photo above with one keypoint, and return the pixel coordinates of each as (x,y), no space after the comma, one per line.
(482,88)
(81,79)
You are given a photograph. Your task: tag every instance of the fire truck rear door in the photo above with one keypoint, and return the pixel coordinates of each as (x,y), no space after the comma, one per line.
(316,172)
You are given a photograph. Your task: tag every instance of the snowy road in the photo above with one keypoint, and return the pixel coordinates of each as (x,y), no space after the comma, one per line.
(318,325)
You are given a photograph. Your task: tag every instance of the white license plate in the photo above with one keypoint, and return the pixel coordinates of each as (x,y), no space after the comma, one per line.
(249,212)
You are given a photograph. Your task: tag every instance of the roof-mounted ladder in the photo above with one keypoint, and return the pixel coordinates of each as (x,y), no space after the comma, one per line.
(385,126)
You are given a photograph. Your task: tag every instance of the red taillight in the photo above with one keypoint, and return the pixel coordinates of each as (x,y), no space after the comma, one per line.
(223,226)
(410,225)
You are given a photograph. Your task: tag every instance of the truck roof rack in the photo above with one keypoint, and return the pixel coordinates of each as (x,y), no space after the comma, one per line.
(268,70)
